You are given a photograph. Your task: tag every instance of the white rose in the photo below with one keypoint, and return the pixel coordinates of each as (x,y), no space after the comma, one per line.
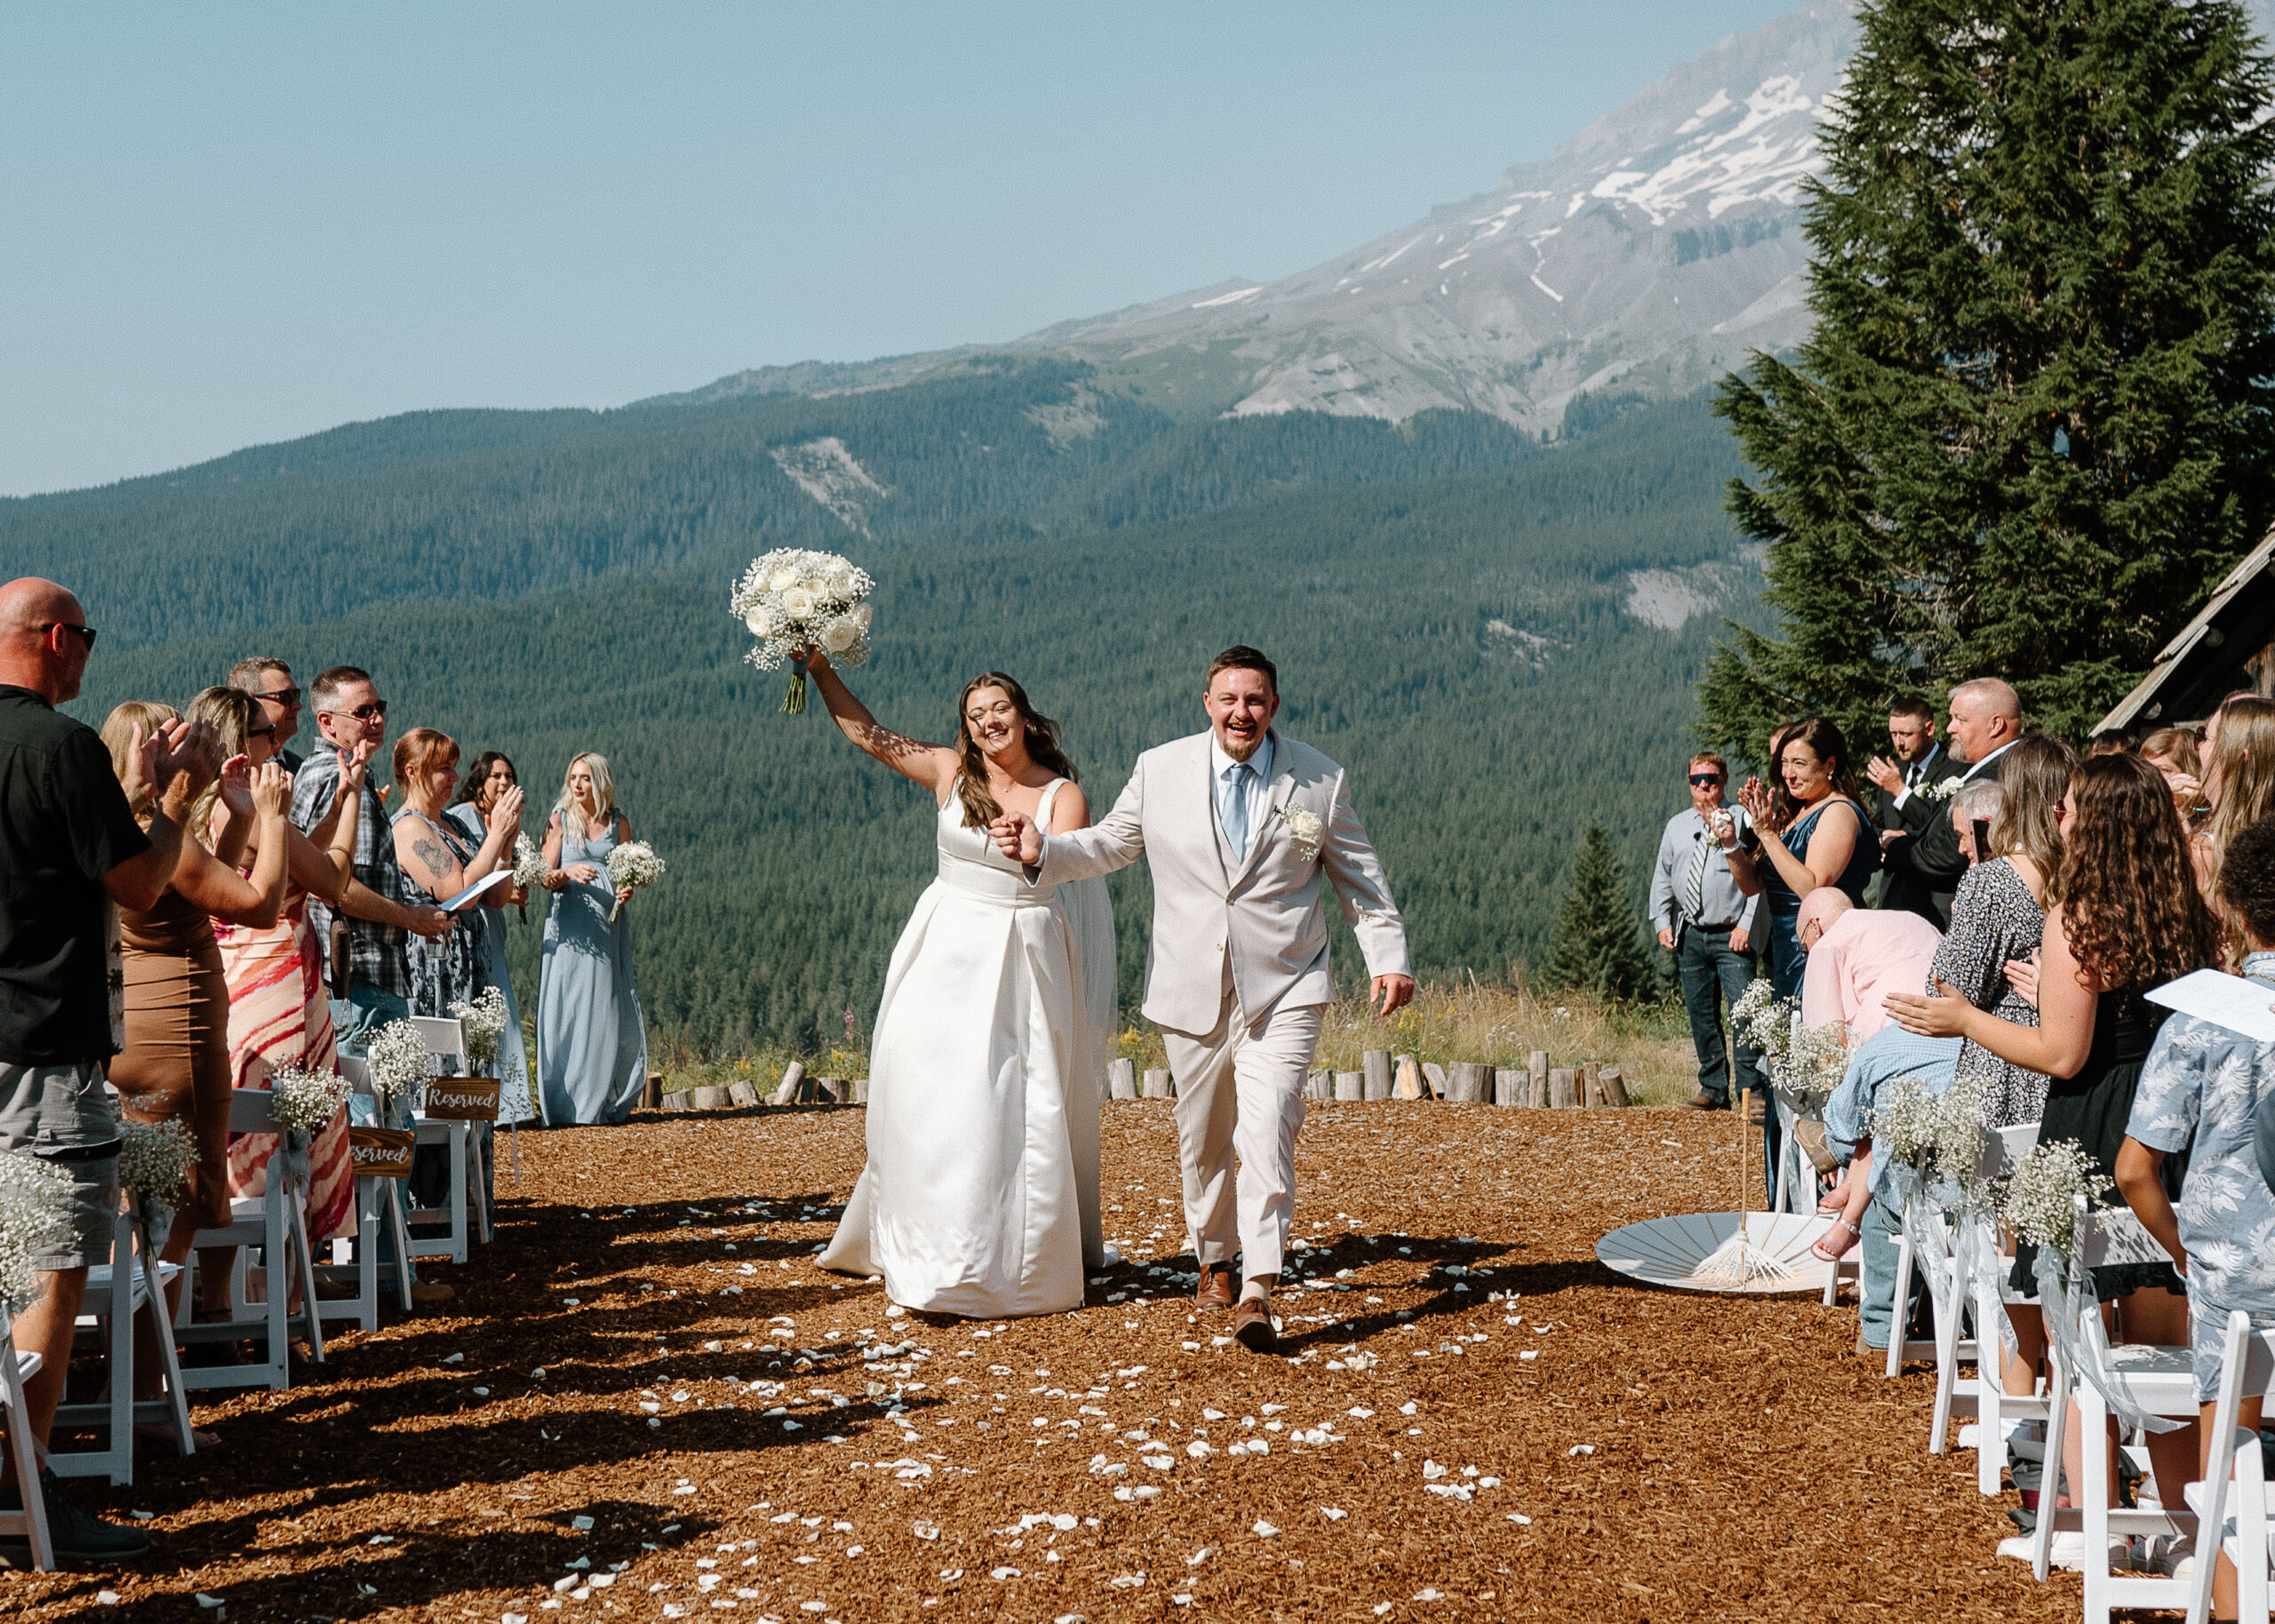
(798,601)
(756,621)
(859,614)
(840,635)
(784,576)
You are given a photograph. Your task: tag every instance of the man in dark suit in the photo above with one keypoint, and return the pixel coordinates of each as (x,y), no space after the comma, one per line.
(1986,722)
(1917,758)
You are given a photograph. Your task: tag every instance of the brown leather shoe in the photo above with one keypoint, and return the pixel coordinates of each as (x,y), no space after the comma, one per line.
(1215,1287)
(1704,1101)
(1252,1325)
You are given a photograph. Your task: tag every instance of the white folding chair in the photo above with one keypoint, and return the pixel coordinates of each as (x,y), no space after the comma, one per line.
(1941,1267)
(2158,1381)
(379,1217)
(2233,1499)
(16,1366)
(132,1281)
(276,1221)
(468,1213)
(1994,1406)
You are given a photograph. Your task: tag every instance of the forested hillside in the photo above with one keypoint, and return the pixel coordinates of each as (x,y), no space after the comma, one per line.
(1449,603)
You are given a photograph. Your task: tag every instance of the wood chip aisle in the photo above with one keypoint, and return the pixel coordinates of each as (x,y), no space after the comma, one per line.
(652,1407)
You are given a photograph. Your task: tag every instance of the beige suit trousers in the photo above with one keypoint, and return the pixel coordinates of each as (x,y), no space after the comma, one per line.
(1239,1092)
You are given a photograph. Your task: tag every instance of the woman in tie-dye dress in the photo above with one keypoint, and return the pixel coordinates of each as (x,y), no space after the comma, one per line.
(279,1014)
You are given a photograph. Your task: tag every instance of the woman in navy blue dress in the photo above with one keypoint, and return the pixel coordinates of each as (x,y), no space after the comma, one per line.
(1824,838)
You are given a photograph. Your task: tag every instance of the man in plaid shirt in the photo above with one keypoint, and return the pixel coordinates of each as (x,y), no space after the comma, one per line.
(350,715)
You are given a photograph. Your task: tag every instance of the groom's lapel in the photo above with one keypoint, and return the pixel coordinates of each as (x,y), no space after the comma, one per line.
(1282,786)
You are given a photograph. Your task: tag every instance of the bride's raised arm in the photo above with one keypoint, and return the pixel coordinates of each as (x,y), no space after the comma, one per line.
(933,766)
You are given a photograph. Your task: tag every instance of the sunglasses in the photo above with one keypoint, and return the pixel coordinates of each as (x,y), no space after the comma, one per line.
(1703,779)
(363,712)
(269,732)
(285,697)
(86,633)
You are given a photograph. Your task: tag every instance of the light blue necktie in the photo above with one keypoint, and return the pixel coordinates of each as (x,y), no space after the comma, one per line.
(1236,810)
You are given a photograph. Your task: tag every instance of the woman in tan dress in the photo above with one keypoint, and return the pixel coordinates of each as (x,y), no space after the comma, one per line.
(175,1066)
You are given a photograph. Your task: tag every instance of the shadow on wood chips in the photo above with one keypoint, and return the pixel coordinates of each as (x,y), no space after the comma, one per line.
(646,1404)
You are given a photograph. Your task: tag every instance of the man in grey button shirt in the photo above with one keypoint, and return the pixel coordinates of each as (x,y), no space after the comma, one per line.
(1701,917)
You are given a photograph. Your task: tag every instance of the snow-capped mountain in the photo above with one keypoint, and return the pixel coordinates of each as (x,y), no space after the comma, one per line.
(1651,252)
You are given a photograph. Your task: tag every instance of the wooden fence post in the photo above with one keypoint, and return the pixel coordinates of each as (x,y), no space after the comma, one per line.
(1319,1086)
(742,1091)
(1615,1087)
(1539,1064)
(1470,1082)
(1434,1074)
(787,1090)
(1563,1088)
(1375,1066)
(1409,1086)
(1590,1089)
(1350,1085)
(1509,1086)
(1157,1085)
(1122,1079)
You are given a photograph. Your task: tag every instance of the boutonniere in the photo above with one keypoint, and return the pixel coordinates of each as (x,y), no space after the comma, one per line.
(1944,791)
(1304,828)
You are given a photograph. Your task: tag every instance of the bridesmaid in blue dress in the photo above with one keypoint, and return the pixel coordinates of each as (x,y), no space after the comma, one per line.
(592,1044)
(490,776)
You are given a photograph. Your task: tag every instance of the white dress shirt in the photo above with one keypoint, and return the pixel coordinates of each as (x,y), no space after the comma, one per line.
(1253,787)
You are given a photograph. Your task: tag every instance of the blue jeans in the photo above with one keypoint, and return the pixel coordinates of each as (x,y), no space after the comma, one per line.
(1877,1286)
(1712,973)
(356,1019)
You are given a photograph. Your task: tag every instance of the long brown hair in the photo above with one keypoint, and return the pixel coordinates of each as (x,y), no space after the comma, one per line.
(980,807)
(2240,776)
(234,715)
(2129,901)
(118,735)
(1825,741)
(2032,778)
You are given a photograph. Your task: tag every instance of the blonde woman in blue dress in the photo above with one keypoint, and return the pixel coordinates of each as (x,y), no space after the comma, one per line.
(980,1196)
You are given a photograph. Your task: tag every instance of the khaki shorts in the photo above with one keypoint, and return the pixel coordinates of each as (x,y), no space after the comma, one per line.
(64,1116)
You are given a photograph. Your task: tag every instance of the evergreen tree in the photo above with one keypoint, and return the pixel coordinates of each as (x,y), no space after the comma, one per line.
(1596,947)
(2030,428)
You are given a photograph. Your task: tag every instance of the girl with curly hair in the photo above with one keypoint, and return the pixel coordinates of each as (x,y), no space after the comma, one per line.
(2125,916)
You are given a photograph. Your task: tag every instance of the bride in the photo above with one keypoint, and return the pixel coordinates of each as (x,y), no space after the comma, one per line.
(981,1197)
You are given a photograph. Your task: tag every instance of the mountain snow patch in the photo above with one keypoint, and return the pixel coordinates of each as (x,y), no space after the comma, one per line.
(1667,598)
(825,471)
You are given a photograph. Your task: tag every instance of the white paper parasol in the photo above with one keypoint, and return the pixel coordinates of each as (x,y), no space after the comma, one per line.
(1711,1252)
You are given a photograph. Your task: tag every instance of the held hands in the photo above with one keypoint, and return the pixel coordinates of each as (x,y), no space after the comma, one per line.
(1392,993)
(354,767)
(1017,838)
(237,786)
(1943,1014)
(506,811)
(1756,799)
(2021,976)
(272,792)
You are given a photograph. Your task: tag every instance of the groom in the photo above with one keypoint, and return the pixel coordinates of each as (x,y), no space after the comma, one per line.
(1240,826)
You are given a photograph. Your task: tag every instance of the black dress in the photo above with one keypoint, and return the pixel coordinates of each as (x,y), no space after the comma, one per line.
(2092,1109)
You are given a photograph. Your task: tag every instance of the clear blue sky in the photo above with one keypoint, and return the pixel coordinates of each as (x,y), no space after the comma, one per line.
(231,224)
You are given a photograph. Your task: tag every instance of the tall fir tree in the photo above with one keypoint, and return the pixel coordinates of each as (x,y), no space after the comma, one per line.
(2030,429)
(1598,947)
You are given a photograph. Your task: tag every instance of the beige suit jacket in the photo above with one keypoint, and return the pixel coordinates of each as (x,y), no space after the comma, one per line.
(1263,915)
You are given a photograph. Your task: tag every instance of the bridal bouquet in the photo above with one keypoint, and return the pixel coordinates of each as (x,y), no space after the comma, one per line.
(305,1102)
(33,1199)
(529,863)
(794,600)
(633,866)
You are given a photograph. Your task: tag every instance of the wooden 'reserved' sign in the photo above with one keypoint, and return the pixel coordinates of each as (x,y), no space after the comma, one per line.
(380,1152)
(462,1099)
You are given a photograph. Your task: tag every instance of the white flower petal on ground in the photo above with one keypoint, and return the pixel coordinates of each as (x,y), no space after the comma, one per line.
(1127,1581)
(1263,1530)
(1580,1449)
(1333,1513)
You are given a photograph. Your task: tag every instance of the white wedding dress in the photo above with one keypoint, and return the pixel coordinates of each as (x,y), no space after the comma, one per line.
(980,1196)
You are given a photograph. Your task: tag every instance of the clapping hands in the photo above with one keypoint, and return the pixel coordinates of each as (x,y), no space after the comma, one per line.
(1017,839)
(1759,805)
